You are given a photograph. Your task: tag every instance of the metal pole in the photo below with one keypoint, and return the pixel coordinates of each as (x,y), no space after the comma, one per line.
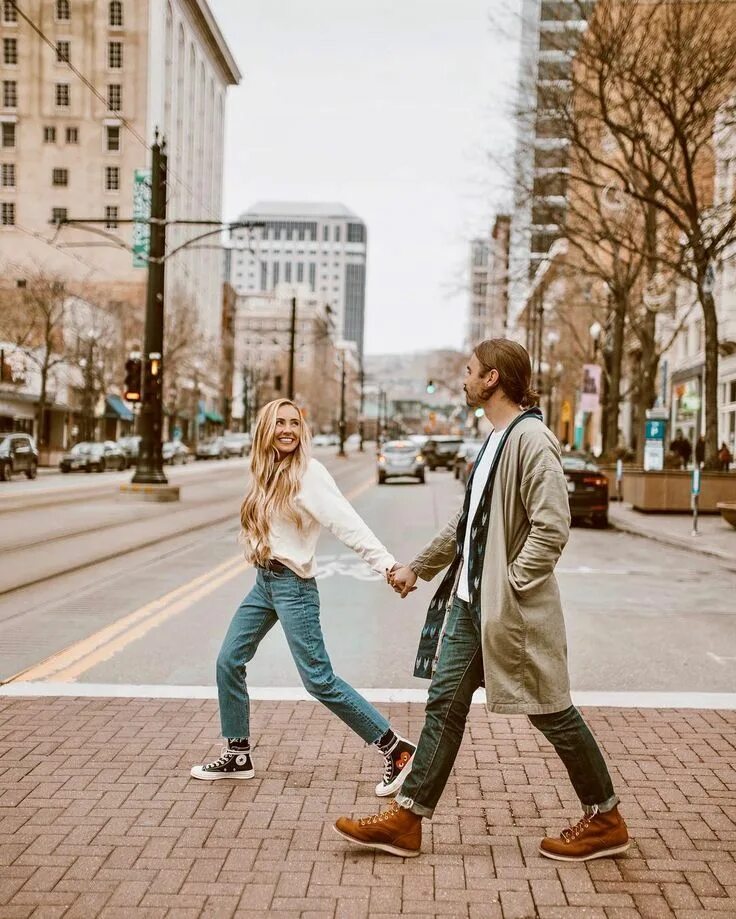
(149,470)
(361,427)
(341,451)
(246,407)
(292,345)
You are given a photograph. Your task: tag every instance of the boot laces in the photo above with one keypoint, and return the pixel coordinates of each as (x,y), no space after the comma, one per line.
(571,833)
(380,818)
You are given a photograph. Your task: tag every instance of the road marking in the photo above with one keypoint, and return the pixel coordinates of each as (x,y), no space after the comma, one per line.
(720,660)
(720,701)
(69,664)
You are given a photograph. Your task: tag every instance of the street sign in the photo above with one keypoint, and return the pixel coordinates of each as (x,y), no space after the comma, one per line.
(141,212)
(695,485)
(654,430)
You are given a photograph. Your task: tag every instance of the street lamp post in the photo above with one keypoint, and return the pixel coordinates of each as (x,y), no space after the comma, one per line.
(361,425)
(341,451)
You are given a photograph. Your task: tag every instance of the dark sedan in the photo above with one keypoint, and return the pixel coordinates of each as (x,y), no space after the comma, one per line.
(587,489)
(89,456)
(440,451)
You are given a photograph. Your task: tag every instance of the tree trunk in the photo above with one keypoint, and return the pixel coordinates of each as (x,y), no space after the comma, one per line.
(710,318)
(41,412)
(613,391)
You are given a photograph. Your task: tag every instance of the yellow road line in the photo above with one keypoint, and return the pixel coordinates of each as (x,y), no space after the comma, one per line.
(68,665)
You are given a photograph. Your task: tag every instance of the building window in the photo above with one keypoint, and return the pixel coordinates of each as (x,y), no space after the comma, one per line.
(112,178)
(58,215)
(115,55)
(312,275)
(264,276)
(112,138)
(300,272)
(275,273)
(116,14)
(60,177)
(8,175)
(356,233)
(111,217)
(115,97)
(63,10)
(72,135)
(287,272)
(8,134)
(62,95)
(7,214)
(337,234)
(63,52)
(10,93)
(10,50)
(49,134)
(325,233)
(10,13)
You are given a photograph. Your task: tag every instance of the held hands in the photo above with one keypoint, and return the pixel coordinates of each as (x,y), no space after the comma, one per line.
(402,579)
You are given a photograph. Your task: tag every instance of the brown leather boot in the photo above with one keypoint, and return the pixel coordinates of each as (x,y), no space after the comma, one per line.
(595,835)
(396,831)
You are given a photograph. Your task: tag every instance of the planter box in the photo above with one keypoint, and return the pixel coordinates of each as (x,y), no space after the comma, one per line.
(669,491)
(609,471)
(728,512)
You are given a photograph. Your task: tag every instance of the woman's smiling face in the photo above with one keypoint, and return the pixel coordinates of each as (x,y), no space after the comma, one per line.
(288,430)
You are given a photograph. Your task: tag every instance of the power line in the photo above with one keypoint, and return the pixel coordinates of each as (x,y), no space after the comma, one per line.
(101,97)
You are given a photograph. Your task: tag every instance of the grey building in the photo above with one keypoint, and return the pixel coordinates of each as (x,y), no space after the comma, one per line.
(320,244)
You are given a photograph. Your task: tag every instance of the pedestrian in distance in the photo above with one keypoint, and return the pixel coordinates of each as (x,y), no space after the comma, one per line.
(289,498)
(725,457)
(497,620)
(700,452)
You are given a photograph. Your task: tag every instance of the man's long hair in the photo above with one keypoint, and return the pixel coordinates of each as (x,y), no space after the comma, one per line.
(511,360)
(274,482)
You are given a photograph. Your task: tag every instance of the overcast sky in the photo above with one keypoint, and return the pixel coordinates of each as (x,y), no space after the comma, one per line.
(390,107)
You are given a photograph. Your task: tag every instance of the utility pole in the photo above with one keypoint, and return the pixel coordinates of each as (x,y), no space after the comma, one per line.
(292,346)
(149,470)
(361,426)
(341,451)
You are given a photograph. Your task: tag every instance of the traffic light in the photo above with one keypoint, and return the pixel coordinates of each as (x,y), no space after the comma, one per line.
(133,368)
(430,386)
(151,375)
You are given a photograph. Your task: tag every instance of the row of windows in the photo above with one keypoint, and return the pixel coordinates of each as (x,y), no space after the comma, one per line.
(113,136)
(60,177)
(288,276)
(301,230)
(64,52)
(62,95)
(63,12)
(58,214)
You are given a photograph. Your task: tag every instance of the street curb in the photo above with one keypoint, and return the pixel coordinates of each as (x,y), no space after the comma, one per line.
(676,542)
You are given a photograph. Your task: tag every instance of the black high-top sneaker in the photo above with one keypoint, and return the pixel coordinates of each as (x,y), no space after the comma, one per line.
(234,763)
(396,766)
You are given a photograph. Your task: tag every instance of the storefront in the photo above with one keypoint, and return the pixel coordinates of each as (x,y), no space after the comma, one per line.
(727,405)
(687,404)
(119,420)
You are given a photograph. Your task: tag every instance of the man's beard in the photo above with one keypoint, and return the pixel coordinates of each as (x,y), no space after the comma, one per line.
(483,396)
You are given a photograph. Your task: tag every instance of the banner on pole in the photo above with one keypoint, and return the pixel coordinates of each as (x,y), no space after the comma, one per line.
(590,392)
(141,212)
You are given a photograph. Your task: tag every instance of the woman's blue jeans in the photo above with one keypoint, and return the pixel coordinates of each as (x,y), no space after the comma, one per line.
(294,602)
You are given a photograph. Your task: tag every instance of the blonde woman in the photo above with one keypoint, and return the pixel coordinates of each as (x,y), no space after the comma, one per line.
(290,497)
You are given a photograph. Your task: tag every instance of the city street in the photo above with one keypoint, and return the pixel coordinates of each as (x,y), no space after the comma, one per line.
(641,617)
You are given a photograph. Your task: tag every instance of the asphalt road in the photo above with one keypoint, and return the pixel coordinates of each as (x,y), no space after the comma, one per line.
(640,616)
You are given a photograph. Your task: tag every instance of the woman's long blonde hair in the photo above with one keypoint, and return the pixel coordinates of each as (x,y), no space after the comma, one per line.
(274,482)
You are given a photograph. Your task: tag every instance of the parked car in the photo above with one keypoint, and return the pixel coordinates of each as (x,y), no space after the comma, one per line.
(18,453)
(419,439)
(175,453)
(462,452)
(237,444)
(91,456)
(130,447)
(440,451)
(400,458)
(325,440)
(471,455)
(587,489)
(211,448)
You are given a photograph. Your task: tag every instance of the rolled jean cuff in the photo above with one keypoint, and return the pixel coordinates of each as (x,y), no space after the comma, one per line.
(604,808)
(410,805)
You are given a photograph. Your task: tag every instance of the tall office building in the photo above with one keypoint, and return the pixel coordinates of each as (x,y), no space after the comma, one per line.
(489,280)
(322,245)
(69,152)
(551,30)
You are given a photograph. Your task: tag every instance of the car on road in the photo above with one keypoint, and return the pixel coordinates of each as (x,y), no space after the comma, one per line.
(462,451)
(471,455)
(440,451)
(91,456)
(211,448)
(237,444)
(325,440)
(400,458)
(419,439)
(130,447)
(175,453)
(587,488)
(18,453)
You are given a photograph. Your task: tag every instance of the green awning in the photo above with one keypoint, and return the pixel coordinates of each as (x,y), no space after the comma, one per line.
(214,417)
(116,408)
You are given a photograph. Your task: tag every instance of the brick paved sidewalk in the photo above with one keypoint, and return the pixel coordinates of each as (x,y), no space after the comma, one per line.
(98,817)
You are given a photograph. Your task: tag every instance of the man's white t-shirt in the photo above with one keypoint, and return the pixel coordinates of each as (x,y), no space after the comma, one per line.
(480,480)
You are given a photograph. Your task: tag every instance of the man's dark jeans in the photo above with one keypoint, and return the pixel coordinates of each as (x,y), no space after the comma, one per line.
(459,673)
